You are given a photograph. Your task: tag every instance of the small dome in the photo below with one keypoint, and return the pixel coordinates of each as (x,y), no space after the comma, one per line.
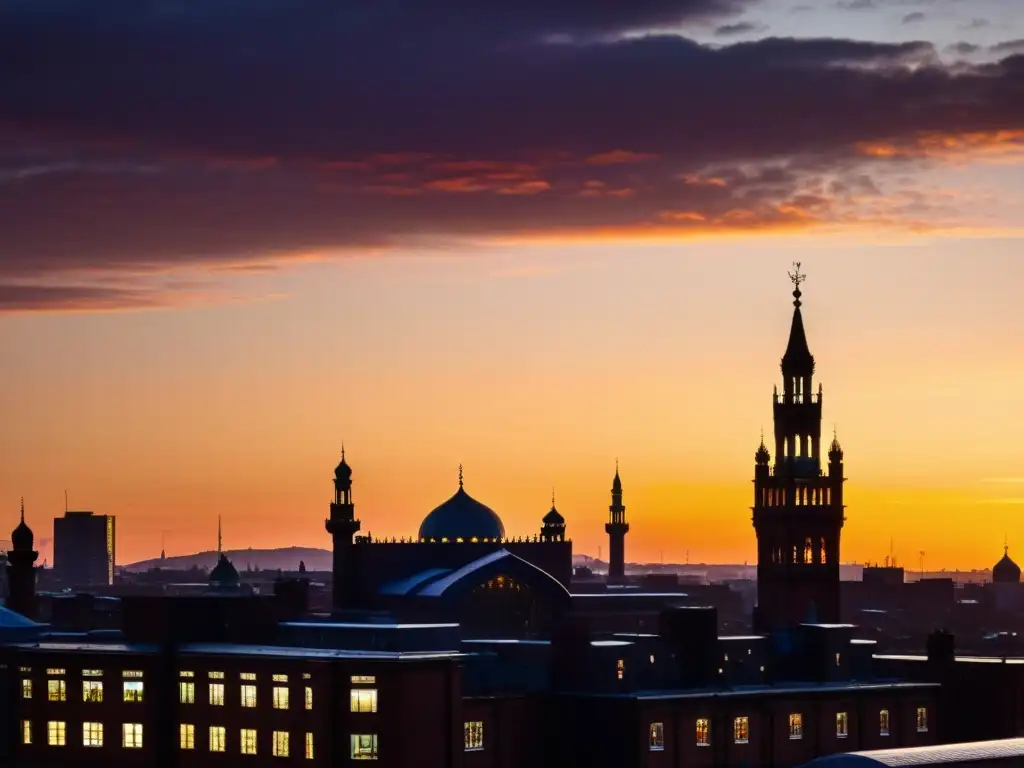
(1006,571)
(22,537)
(554,517)
(762,456)
(343,471)
(224,574)
(462,517)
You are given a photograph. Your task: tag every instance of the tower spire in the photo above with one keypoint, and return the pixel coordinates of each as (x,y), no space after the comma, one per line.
(342,450)
(460,475)
(23,509)
(220,548)
(797,360)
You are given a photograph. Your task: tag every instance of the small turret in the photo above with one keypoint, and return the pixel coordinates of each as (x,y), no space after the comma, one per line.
(553,527)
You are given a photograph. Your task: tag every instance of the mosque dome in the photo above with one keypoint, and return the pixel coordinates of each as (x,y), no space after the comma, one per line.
(343,472)
(1006,571)
(462,517)
(553,517)
(22,537)
(224,574)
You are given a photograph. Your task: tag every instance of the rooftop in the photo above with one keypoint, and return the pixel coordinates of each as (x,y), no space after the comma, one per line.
(1009,750)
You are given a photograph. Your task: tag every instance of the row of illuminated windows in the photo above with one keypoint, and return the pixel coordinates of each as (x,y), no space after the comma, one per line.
(92,690)
(741,728)
(280,743)
(92,734)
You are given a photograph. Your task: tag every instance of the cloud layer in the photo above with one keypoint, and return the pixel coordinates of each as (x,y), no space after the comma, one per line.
(138,136)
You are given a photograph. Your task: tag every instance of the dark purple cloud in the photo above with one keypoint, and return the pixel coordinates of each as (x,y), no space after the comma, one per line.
(138,136)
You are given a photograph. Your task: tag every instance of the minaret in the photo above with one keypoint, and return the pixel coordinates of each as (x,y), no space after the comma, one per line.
(342,525)
(553,524)
(21,572)
(617,528)
(798,510)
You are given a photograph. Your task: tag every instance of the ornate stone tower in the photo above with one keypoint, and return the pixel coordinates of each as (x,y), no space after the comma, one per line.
(342,525)
(798,510)
(553,524)
(21,570)
(617,528)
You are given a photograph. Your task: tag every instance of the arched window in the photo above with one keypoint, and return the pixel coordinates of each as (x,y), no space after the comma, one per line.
(824,558)
(808,551)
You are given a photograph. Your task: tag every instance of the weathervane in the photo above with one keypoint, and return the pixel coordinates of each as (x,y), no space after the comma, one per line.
(797,277)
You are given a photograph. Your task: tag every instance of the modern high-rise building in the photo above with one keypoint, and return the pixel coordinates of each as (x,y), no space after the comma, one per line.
(83,548)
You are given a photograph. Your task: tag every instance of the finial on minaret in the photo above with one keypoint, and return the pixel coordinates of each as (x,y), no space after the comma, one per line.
(552,497)
(460,475)
(343,451)
(23,509)
(797,277)
(220,548)
(1006,545)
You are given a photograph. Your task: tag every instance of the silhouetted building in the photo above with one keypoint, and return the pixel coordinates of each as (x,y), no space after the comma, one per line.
(21,570)
(1006,571)
(617,528)
(798,509)
(83,549)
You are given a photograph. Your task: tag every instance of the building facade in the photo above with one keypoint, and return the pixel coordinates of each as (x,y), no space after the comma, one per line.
(84,549)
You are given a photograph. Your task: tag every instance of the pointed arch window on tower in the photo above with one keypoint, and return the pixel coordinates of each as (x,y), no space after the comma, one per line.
(808,551)
(822,557)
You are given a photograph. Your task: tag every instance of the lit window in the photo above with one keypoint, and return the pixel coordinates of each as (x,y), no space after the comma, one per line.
(92,734)
(55,672)
(473,735)
(186,674)
(280,747)
(306,676)
(216,694)
(187,693)
(248,741)
(92,673)
(131,673)
(216,675)
(741,730)
(55,690)
(922,720)
(657,737)
(842,725)
(26,731)
(363,700)
(652,658)
(131,735)
(24,669)
(56,733)
(280,678)
(620,669)
(92,691)
(883,723)
(364,680)
(703,732)
(796,726)
(26,689)
(217,738)
(248,695)
(133,690)
(309,697)
(280,697)
(839,659)
(364,746)
(248,676)
(309,746)
(187,736)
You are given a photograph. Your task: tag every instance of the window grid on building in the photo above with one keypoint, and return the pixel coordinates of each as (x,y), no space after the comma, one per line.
(215,675)
(131,735)
(364,746)
(703,732)
(216,694)
(187,735)
(133,691)
(657,737)
(883,723)
(92,691)
(92,734)
(279,678)
(279,745)
(218,737)
(187,692)
(280,697)
(186,673)
(363,700)
(796,726)
(922,720)
(248,741)
(249,696)
(249,676)
(26,689)
(363,679)
(741,730)
(56,733)
(92,673)
(309,746)
(56,690)
(473,735)
(26,731)
(842,725)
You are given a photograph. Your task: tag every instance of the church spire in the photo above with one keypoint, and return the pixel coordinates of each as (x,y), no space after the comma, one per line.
(797,360)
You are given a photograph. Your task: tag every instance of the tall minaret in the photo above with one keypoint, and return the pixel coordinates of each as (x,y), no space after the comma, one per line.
(342,525)
(798,511)
(21,571)
(617,528)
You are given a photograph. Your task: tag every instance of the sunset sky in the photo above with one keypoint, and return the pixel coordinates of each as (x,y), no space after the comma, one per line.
(528,237)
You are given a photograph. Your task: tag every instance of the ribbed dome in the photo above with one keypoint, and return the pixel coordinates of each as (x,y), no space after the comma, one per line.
(1006,571)
(462,517)
(224,574)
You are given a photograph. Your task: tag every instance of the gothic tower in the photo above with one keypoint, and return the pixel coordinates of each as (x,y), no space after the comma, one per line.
(342,525)
(617,528)
(798,510)
(21,571)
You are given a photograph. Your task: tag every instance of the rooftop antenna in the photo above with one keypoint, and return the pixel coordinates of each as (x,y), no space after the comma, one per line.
(220,549)
(552,497)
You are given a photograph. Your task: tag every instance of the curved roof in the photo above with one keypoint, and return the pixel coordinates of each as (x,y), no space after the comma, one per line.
(1010,750)
(553,517)
(1006,570)
(13,620)
(497,563)
(462,517)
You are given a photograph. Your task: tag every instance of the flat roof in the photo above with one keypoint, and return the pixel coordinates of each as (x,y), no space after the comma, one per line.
(781,689)
(234,649)
(961,659)
(362,625)
(575,595)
